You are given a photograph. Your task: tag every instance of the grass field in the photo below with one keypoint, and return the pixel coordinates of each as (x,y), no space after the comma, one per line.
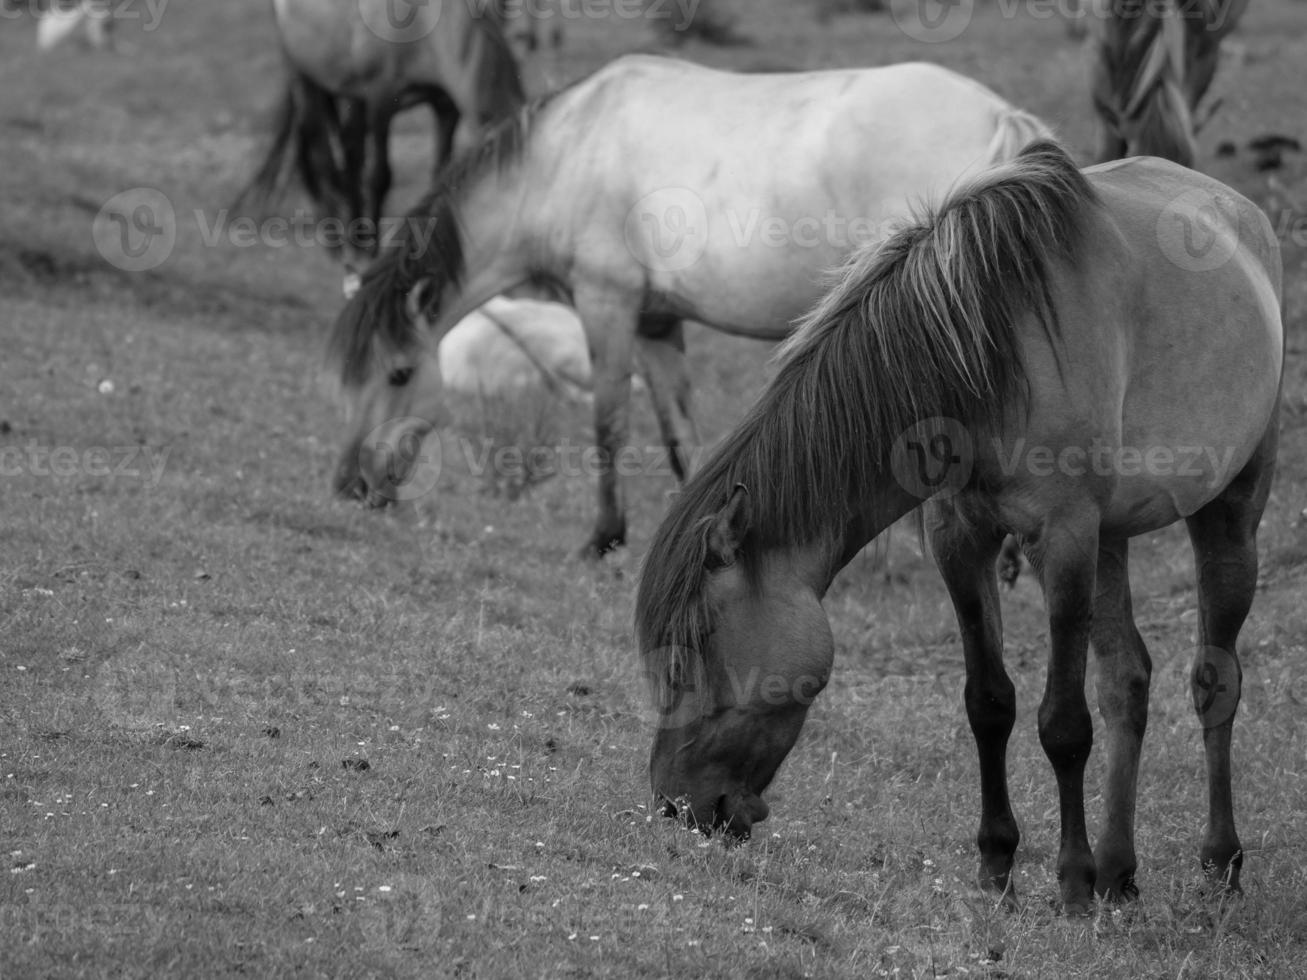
(248,729)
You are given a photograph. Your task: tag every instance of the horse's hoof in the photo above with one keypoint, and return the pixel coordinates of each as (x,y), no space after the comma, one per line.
(597,547)
(1119,892)
(1002,901)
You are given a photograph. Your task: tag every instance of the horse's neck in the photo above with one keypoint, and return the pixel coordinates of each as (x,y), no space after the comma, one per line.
(873,513)
(504,240)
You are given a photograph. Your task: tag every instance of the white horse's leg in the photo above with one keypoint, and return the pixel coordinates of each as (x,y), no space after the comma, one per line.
(609,319)
(662,362)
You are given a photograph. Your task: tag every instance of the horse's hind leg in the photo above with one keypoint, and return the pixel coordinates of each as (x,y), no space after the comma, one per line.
(966,562)
(1124,669)
(1224,537)
(662,362)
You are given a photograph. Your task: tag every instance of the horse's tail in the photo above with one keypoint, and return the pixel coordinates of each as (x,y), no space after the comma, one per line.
(307,145)
(1139,86)
(1015,130)
(937,310)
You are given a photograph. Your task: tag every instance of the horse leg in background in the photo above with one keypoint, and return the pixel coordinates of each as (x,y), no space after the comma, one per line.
(1066,558)
(609,319)
(353,149)
(446,116)
(1124,669)
(1224,538)
(661,340)
(377,175)
(965,558)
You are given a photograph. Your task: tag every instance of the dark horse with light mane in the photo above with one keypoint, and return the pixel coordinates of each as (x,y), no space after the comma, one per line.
(353,66)
(1040,315)
(1154,61)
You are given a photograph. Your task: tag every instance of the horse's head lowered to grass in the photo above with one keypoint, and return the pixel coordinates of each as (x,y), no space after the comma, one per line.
(385,336)
(742,658)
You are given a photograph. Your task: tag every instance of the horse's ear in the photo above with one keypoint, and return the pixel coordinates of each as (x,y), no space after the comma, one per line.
(728,528)
(418,298)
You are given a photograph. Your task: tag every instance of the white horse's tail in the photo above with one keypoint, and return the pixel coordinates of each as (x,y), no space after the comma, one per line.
(1016,128)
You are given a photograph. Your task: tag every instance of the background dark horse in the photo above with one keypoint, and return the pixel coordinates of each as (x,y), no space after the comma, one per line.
(349,73)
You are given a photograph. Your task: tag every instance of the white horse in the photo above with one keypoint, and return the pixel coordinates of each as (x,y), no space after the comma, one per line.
(655,191)
(62,21)
(510,345)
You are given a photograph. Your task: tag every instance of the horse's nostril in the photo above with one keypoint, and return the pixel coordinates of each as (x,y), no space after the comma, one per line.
(668,809)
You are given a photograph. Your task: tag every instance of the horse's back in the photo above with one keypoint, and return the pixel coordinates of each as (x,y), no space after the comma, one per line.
(1179,309)
(777,176)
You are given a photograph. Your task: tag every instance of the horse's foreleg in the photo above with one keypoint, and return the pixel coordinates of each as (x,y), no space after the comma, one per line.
(966,562)
(1224,537)
(662,362)
(1124,669)
(1067,560)
(609,319)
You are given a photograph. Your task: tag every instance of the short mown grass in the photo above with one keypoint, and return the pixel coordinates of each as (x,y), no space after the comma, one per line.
(248,729)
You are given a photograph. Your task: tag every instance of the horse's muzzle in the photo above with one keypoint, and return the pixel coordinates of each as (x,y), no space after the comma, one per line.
(731,814)
(349,483)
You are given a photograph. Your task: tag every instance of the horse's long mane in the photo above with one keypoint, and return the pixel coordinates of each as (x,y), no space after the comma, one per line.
(374,324)
(925,325)
(1154,60)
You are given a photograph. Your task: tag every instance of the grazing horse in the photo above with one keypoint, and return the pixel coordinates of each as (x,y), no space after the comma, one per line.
(353,65)
(1041,355)
(657,190)
(1153,63)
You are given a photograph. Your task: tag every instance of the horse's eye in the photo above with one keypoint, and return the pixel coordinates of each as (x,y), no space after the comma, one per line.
(400,377)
